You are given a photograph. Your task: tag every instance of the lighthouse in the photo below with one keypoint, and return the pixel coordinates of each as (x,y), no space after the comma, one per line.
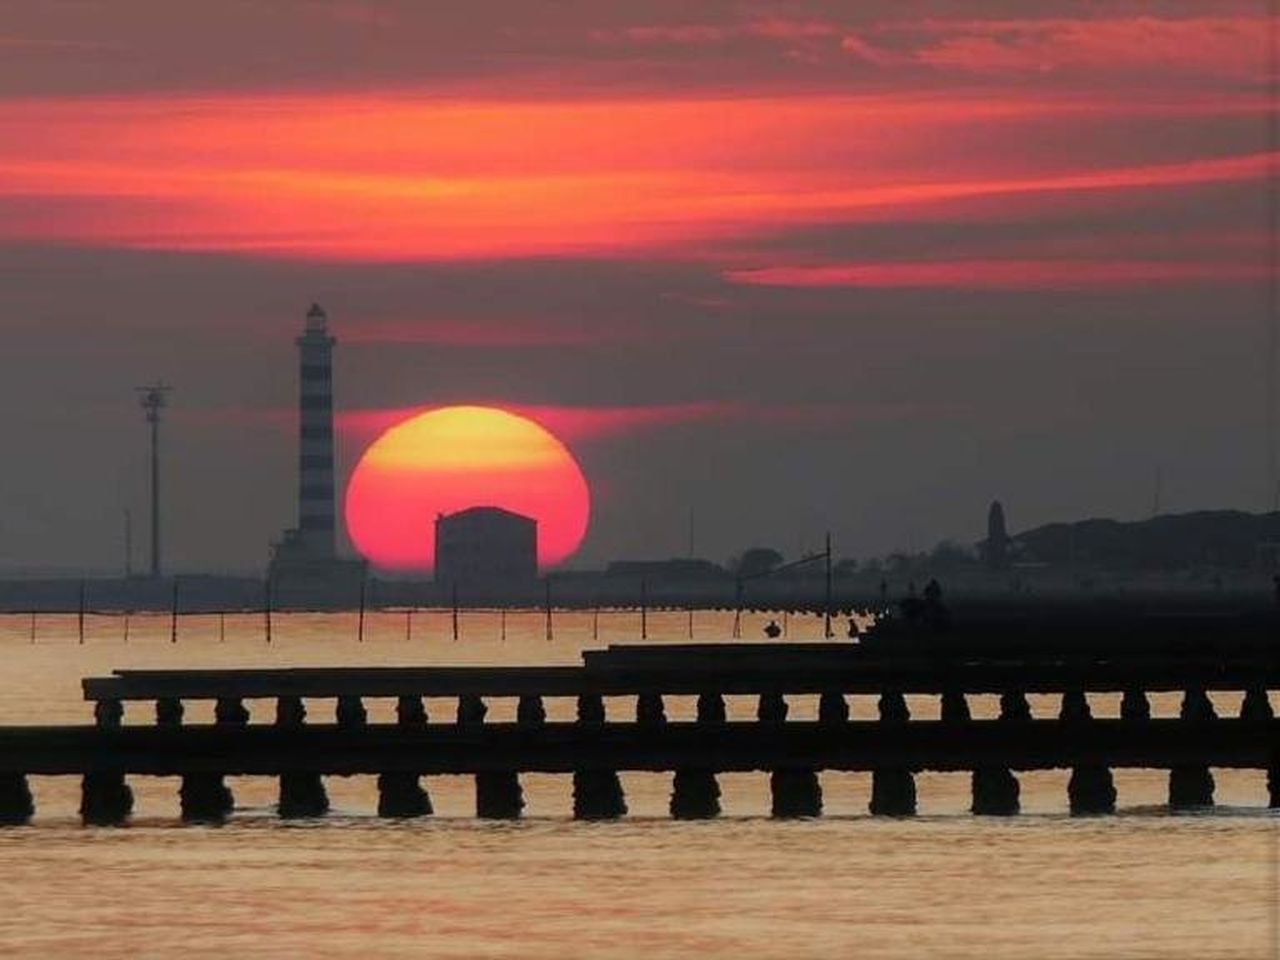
(316,514)
(305,568)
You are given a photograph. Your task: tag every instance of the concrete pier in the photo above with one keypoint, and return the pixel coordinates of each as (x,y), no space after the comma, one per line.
(105,799)
(169,712)
(1014,707)
(955,708)
(649,709)
(796,792)
(893,793)
(1190,787)
(1273,785)
(1091,790)
(16,804)
(1135,706)
(711,708)
(411,712)
(402,796)
(1075,707)
(893,708)
(499,795)
(205,798)
(290,712)
(996,792)
(695,795)
(772,708)
(108,713)
(230,711)
(1197,706)
(530,711)
(591,708)
(597,795)
(471,710)
(351,712)
(832,707)
(1256,706)
(302,795)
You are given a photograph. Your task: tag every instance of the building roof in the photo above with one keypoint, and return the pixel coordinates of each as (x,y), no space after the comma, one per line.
(484,513)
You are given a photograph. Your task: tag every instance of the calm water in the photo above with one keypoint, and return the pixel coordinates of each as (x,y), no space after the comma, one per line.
(1140,884)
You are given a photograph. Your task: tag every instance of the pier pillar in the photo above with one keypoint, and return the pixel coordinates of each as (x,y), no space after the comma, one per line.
(530,711)
(410,711)
(1091,790)
(893,707)
(695,795)
(1014,706)
(16,804)
(169,712)
(230,711)
(108,713)
(350,712)
(955,708)
(1256,706)
(833,708)
(995,792)
(1075,707)
(471,710)
(710,708)
(105,799)
(401,795)
(499,795)
(302,795)
(649,709)
(290,712)
(1273,785)
(796,793)
(1190,786)
(1197,706)
(772,708)
(591,708)
(893,793)
(597,795)
(205,798)
(1134,706)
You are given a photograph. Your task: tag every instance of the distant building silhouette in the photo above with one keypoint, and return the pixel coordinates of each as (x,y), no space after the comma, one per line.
(995,549)
(486,547)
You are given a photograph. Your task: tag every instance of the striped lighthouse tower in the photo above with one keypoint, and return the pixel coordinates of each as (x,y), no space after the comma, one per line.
(316,515)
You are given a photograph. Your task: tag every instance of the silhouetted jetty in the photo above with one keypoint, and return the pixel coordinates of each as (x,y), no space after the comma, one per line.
(316,723)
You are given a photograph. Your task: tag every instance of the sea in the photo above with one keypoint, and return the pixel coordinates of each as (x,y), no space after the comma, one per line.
(1141,884)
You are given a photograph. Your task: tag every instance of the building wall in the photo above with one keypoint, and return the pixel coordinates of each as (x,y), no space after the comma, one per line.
(486,547)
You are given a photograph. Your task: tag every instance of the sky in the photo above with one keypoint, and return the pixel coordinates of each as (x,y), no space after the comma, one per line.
(784,267)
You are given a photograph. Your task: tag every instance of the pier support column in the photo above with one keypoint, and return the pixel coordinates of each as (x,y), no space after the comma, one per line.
(1197,706)
(893,707)
(1134,706)
(833,708)
(530,711)
(772,708)
(1256,706)
(499,795)
(996,792)
(1190,786)
(1091,790)
(955,708)
(1075,707)
(471,710)
(350,712)
(710,708)
(1273,785)
(16,805)
(796,793)
(230,711)
(401,795)
(290,712)
(105,799)
(893,793)
(302,795)
(695,795)
(591,708)
(1014,706)
(597,795)
(169,712)
(649,709)
(410,712)
(108,713)
(205,798)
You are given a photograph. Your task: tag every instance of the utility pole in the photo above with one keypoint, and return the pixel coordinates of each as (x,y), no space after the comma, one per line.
(154,398)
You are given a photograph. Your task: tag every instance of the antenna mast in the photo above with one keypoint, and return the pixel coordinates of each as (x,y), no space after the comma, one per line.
(153,399)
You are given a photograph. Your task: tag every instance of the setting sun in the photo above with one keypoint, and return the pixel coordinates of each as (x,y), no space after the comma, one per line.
(453,458)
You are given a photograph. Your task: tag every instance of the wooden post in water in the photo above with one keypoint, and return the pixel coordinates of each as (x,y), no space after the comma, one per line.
(222,626)
(644,609)
(502,625)
(173,613)
(266,606)
(737,609)
(826,609)
(454,613)
(126,626)
(408,625)
(595,621)
(33,626)
(364,586)
(550,634)
(80,613)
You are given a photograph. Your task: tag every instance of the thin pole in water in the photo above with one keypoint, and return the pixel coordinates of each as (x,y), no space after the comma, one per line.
(502,624)
(644,609)
(222,627)
(80,612)
(826,618)
(408,625)
(786,622)
(266,606)
(691,621)
(595,621)
(173,614)
(550,633)
(364,585)
(737,608)
(33,626)
(454,611)
(126,626)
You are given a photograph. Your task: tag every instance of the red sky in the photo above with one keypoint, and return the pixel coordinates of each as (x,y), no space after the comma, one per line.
(545,188)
